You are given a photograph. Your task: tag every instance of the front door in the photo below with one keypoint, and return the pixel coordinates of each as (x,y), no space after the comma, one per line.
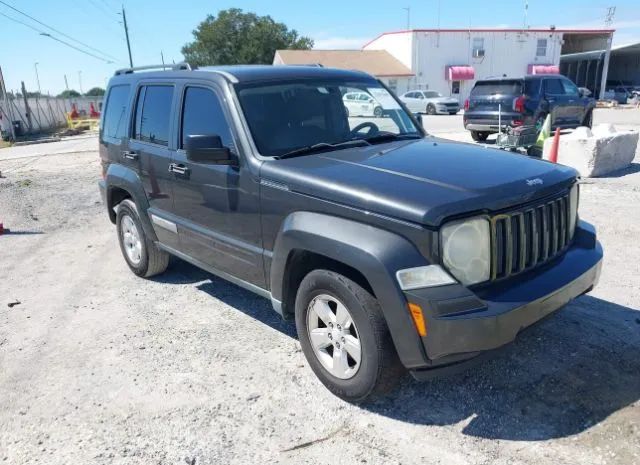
(557,102)
(151,150)
(217,206)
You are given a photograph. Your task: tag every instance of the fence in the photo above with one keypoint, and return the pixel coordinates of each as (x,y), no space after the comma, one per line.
(41,114)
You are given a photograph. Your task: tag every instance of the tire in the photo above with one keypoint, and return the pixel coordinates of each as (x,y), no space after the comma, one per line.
(346,110)
(377,112)
(431,110)
(143,257)
(379,367)
(588,120)
(479,136)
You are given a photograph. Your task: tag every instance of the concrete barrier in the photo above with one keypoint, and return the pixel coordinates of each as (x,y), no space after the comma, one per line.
(595,152)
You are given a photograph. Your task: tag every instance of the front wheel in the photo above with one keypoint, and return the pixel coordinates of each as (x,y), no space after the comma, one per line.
(344,336)
(431,110)
(377,112)
(588,119)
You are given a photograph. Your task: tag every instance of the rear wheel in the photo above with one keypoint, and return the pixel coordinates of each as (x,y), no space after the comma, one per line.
(346,110)
(479,136)
(588,119)
(344,336)
(377,112)
(144,258)
(431,109)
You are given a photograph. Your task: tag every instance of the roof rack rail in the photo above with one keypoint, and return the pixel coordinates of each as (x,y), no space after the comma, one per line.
(173,67)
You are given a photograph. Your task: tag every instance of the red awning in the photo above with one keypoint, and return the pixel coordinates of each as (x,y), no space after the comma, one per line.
(543,69)
(459,73)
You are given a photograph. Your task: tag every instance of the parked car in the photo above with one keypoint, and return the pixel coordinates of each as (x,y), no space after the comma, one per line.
(525,101)
(361,104)
(389,250)
(430,102)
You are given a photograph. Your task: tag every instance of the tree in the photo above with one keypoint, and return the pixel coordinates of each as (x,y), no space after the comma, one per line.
(69,93)
(235,37)
(95,92)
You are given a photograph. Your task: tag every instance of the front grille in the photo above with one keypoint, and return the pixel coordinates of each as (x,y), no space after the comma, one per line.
(523,239)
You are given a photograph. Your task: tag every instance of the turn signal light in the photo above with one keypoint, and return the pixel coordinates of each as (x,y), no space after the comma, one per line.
(418,319)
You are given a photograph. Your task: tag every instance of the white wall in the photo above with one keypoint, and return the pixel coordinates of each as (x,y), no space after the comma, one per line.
(46,112)
(506,52)
(403,84)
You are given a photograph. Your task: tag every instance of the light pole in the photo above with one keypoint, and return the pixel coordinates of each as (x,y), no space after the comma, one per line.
(35,65)
(80,81)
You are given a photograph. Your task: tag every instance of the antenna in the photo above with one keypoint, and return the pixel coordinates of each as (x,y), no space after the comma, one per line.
(608,19)
(526,12)
(408,8)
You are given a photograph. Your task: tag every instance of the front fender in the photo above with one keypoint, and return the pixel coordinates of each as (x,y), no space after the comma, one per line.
(122,177)
(376,253)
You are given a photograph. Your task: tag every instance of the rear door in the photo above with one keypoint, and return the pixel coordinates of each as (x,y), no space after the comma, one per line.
(556,102)
(151,149)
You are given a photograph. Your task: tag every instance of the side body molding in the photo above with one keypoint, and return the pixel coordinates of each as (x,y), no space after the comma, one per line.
(125,178)
(375,252)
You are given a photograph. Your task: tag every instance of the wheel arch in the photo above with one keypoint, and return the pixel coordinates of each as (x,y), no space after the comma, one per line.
(369,256)
(123,183)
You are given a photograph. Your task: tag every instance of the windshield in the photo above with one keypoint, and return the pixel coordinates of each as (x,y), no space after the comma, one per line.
(286,117)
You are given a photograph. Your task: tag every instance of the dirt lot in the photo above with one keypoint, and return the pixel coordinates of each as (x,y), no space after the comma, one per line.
(97,366)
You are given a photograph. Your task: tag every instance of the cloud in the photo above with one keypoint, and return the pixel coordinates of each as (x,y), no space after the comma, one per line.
(340,43)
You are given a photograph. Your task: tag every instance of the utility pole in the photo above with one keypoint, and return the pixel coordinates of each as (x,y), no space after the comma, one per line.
(80,81)
(126,33)
(526,13)
(35,65)
(408,9)
(66,83)
(8,110)
(162,57)
(26,107)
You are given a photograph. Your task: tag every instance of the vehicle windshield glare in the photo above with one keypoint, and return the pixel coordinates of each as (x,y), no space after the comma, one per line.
(285,117)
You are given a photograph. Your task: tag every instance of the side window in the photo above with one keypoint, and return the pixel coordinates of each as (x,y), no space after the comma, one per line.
(532,87)
(478,45)
(570,88)
(351,97)
(202,115)
(153,114)
(553,87)
(115,124)
(541,48)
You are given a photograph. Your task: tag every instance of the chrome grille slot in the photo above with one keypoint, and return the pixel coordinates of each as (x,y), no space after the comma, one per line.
(527,237)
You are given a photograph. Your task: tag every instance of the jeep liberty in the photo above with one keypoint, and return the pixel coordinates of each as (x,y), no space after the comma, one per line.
(391,249)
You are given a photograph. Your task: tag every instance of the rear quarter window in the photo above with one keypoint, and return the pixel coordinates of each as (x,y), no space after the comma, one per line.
(115,116)
(503,87)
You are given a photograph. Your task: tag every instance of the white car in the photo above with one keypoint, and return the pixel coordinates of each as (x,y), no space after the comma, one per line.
(430,102)
(361,104)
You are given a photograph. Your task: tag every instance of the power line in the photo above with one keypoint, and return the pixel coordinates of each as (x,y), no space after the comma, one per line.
(46,34)
(57,31)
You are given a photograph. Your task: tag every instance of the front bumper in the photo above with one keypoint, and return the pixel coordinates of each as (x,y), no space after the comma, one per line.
(464,323)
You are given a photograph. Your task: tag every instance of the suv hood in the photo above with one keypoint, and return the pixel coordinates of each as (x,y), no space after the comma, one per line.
(422,181)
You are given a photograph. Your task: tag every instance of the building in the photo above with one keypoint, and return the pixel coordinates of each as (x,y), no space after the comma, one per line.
(585,68)
(452,60)
(379,63)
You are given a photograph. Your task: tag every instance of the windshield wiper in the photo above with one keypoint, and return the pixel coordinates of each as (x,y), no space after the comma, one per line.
(323,146)
(387,137)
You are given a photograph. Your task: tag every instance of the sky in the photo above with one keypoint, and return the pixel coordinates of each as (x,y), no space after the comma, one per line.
(164,26)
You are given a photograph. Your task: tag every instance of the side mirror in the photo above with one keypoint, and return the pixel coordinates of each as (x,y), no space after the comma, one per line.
(208,149)
(584,92)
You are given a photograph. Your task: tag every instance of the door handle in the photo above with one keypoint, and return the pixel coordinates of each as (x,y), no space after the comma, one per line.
(179,169)
(129,155)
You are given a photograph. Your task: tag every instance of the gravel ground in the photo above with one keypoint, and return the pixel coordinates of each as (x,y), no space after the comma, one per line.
(98,366)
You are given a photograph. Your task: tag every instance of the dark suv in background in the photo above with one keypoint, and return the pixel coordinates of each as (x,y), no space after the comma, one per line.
(525,101)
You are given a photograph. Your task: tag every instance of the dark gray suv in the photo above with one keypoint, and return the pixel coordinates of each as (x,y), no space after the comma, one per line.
(513,102)
(391,249)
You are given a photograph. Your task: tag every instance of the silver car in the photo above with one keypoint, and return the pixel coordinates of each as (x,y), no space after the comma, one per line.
(430,102)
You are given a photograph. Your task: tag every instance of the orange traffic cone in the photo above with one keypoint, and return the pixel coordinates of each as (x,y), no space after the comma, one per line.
(553,154)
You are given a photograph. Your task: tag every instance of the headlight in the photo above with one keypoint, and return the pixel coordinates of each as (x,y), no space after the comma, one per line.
(466,249)
(573,209)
